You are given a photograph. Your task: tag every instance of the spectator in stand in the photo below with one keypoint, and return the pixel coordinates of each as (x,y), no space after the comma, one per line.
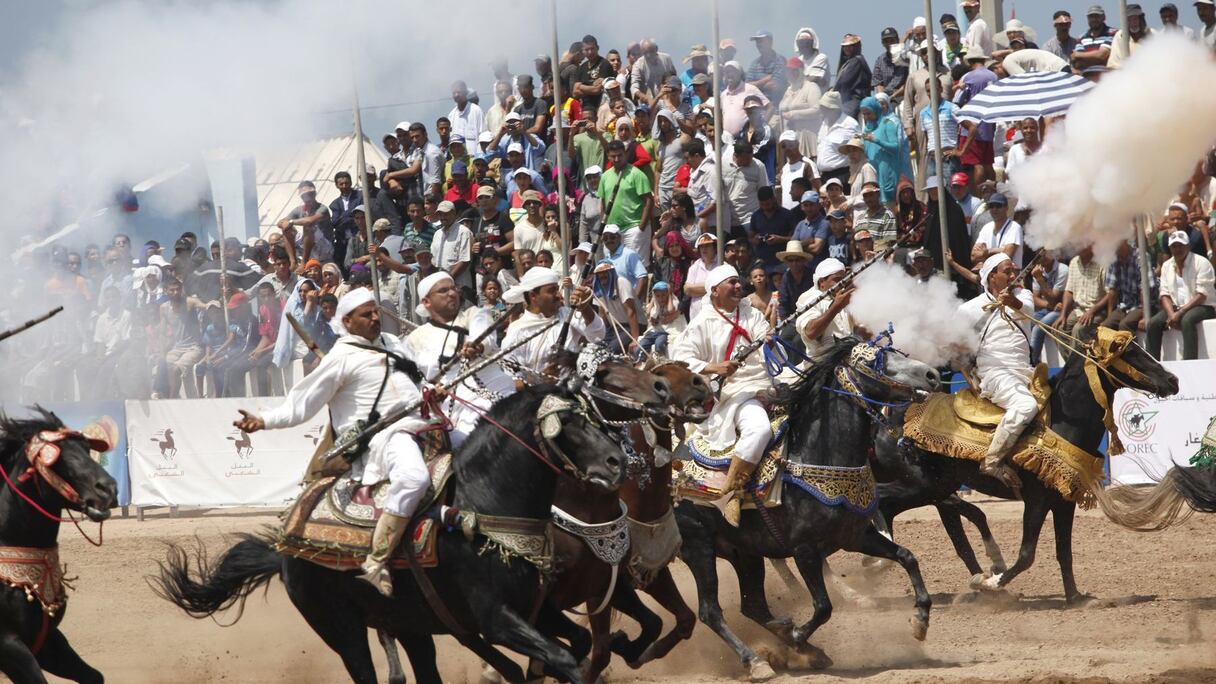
(979,35)
(467,119)
(1062,44)
(1169,21)
(767,71)
(452,249)
(391,204)
(495,115)
(859,169)
(631,197)
(812,230)
(1093,49)
(671,142)
(743,176)
(889,74)
(837,129)
(910,216)
(111,334)
(833,189)
(1187,296)
(530,228)
(838,243)
(664,320)
(649,73)
(794,166)
(461,191)
(672,263)
(1085,296)
(341,212)
(551,239)
(853,75)
(771,226)
(179,318)
(799,108)
(815,66)
(878,221)
(618,307)
(1002,234)
(796,278)
(882,146)
(694,286)
(1048,278)
(592,72)
(282,278)
(1125,310)
(959,184)
(313,219)
(735,92)
(205,283)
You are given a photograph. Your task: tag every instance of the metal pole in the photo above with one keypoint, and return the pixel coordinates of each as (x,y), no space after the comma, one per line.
(1125,37)
(1146,299)
(935,103)
(561,145)
(223,265)
(368,219)
(720,195)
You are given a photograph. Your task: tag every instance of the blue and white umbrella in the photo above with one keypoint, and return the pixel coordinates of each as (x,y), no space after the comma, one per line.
(1025,96)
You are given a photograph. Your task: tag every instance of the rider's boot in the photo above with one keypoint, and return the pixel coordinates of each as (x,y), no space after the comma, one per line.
(389,530)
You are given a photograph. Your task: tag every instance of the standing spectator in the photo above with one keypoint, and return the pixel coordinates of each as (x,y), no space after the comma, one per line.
(889,74)
(853,75)
(836,130)
(672,263)
(426,158)
(671,144)
(838,242)
(111,335)
(1187,296)
(467,119)
(631,198)
(533,111)
(1062,44)
(453,250)
(513,139)
(815,66)
(341,211)
(799,107)
(420,228)
(590,206)
(959,184)
(694,286)
(391,204)
(649,73)
(1049,277)
(795,166)
(767,71)
(743,177)
(1125,310)
(771,226)
(625,260)
(618,307)
(979,35)
(795,280)
(1137,30)
(1093,49)
(812,231)
(461,190)
(757,133)
(493,231)
(179,316)
(860,170)
(495,116)
(735,92)
(1169,21)
(947,115)
(313,219)
(702,184)
(588,144)
(877,220)
(882,144)
(591,73)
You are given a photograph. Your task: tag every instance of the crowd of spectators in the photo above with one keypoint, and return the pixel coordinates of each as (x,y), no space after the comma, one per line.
(826,152)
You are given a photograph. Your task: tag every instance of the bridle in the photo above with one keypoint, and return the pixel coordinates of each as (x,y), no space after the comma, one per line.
(869,361)
(553,411)
(43,451)
(1106,354)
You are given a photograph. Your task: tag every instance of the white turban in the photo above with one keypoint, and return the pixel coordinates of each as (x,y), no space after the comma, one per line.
(989,266)
(350,301)
(826,268)
(720,275)
(425,287)
(536,277)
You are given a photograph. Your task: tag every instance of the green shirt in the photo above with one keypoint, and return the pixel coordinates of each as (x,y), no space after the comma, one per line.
(627,206)
(589,150)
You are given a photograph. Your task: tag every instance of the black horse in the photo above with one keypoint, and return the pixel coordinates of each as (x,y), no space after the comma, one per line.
(486,593)
(913,477)
(828,426)
(30,640)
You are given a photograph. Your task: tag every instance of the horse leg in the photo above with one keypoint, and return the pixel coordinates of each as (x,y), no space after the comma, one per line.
(18,663)
(421,650)
(874,544)
(1061,518)
(975,515)
(698,554)
(601,634)
(664,590)
(753,602)
(60,659)
(782,567)
(337,620)
(396,675)
(1033,515)
(625,599)
(504,626)
(952,520)
(560,626)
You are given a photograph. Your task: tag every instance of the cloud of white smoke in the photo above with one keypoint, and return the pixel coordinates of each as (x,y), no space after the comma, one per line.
(925,315)
(1125,148)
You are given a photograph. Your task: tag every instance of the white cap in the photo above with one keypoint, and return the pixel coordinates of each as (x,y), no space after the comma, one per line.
(612,228)
(522,170)
(513,116)
(919,22)
(486,137)
(788,136)
(359,207)
(732,63)
(1178,237)
(826,268)
(593,170)
(350,301)
(706,239)
(157,260)
(720,275)
(535,277)
(404,126)
(989,266)
(445,206)
(425,287)
(515,147)
(583,247)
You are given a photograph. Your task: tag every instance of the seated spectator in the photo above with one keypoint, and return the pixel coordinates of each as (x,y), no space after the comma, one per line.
(215,334)
(664,320)
(180,326)
(1049,277)
(1124,309)
(1187,296)
(615,299)
(1085,295)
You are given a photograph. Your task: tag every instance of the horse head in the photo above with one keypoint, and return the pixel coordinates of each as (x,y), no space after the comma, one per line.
(58,460)
(1132,366)
(690,392)
(574,437)
(883,373)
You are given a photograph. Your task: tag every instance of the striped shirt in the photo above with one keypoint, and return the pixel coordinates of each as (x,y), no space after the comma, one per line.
(1105,38)
(949,122)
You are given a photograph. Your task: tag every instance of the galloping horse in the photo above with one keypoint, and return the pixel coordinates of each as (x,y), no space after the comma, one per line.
(922,478)
(490,600)
(829,434)
(47,468)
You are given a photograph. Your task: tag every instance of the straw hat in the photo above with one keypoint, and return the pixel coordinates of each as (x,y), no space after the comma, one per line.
(793,249)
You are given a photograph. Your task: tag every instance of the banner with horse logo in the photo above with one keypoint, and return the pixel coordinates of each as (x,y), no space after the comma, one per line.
(1159,433)
(186,452)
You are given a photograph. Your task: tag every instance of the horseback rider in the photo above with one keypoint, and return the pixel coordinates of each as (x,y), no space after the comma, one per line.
(726,321)
(539,292)
(354,379)
(820,325)
(448,332)
(1002,361)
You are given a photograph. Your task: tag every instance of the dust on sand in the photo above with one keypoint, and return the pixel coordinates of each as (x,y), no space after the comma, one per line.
(1154,621)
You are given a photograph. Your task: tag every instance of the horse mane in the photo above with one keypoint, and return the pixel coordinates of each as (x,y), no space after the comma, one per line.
(17,431)
(805,397)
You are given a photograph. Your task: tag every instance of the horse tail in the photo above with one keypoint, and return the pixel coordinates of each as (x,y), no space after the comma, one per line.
(1149,509)
(1198,487)
(202,588)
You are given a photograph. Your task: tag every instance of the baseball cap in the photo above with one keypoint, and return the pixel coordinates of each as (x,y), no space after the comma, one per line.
(788,136)
(749,102)
(456,139)
(593,170)
(700,79)
(862,235)
(706,239)
(515,147)
(833,181)
(950,26)
(485,191)
(869,187)
(837,214)
(673,82)
(445,206)
(661,286)
(382,224)
(459,167)
(524,170)
(758,35)
(890,33)
(793,63)
(920,253)
(1169,7)
(959,178)
(485,137)
(998,199)
(732,64)
(402,126)
(584,247)
(1179,237)
(513,116)
(237,299)
(726,43)
(810,196)
(1095,9)
(1061,17)
(611,228)
(1134,10)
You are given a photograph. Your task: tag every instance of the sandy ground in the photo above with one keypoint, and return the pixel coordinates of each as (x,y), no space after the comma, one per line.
(1154,622)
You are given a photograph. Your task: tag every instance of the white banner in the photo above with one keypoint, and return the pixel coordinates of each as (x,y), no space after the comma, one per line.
(1158,433)
(186,452)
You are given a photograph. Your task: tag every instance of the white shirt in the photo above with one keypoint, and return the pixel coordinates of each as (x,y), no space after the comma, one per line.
(528,236)
(978,36)
(430,346)
(789,172)
(535,353)
(348,380)
(742,182)
(614,306)
(1031,60)
(701,184)
(451,246)
(1008,234)
(841,325)
(1004,346)
(470,123)
(696,276)
(831,136)
(1197,277)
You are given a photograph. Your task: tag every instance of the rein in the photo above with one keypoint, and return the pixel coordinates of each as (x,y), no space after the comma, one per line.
(42,451)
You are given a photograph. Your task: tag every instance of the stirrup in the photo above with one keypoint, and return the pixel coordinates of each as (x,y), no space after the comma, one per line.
(380,577)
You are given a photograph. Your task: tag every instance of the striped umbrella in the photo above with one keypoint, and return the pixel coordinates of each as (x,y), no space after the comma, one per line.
(1025,96)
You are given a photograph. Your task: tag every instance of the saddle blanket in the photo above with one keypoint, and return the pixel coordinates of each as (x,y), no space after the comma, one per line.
(331,522)
(936,425)
(700,479)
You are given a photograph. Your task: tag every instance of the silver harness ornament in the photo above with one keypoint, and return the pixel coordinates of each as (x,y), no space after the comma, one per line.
(609,542)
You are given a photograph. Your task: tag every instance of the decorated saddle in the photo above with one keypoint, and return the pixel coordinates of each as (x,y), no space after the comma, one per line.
(703,473)
(961,426)
(331,522)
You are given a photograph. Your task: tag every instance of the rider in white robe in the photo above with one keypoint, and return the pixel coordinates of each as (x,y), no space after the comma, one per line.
(543,305)
(1002,361)
(724,324)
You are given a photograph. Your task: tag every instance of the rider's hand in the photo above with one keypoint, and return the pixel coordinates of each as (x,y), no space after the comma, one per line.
(249,422)
(723,368)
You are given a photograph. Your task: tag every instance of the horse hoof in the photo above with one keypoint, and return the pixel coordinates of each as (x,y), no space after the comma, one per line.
(489,676)
(782,628)
(760,671)
(1081,601)
(992,583)
(920,629)
(977,581)
(810,657)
